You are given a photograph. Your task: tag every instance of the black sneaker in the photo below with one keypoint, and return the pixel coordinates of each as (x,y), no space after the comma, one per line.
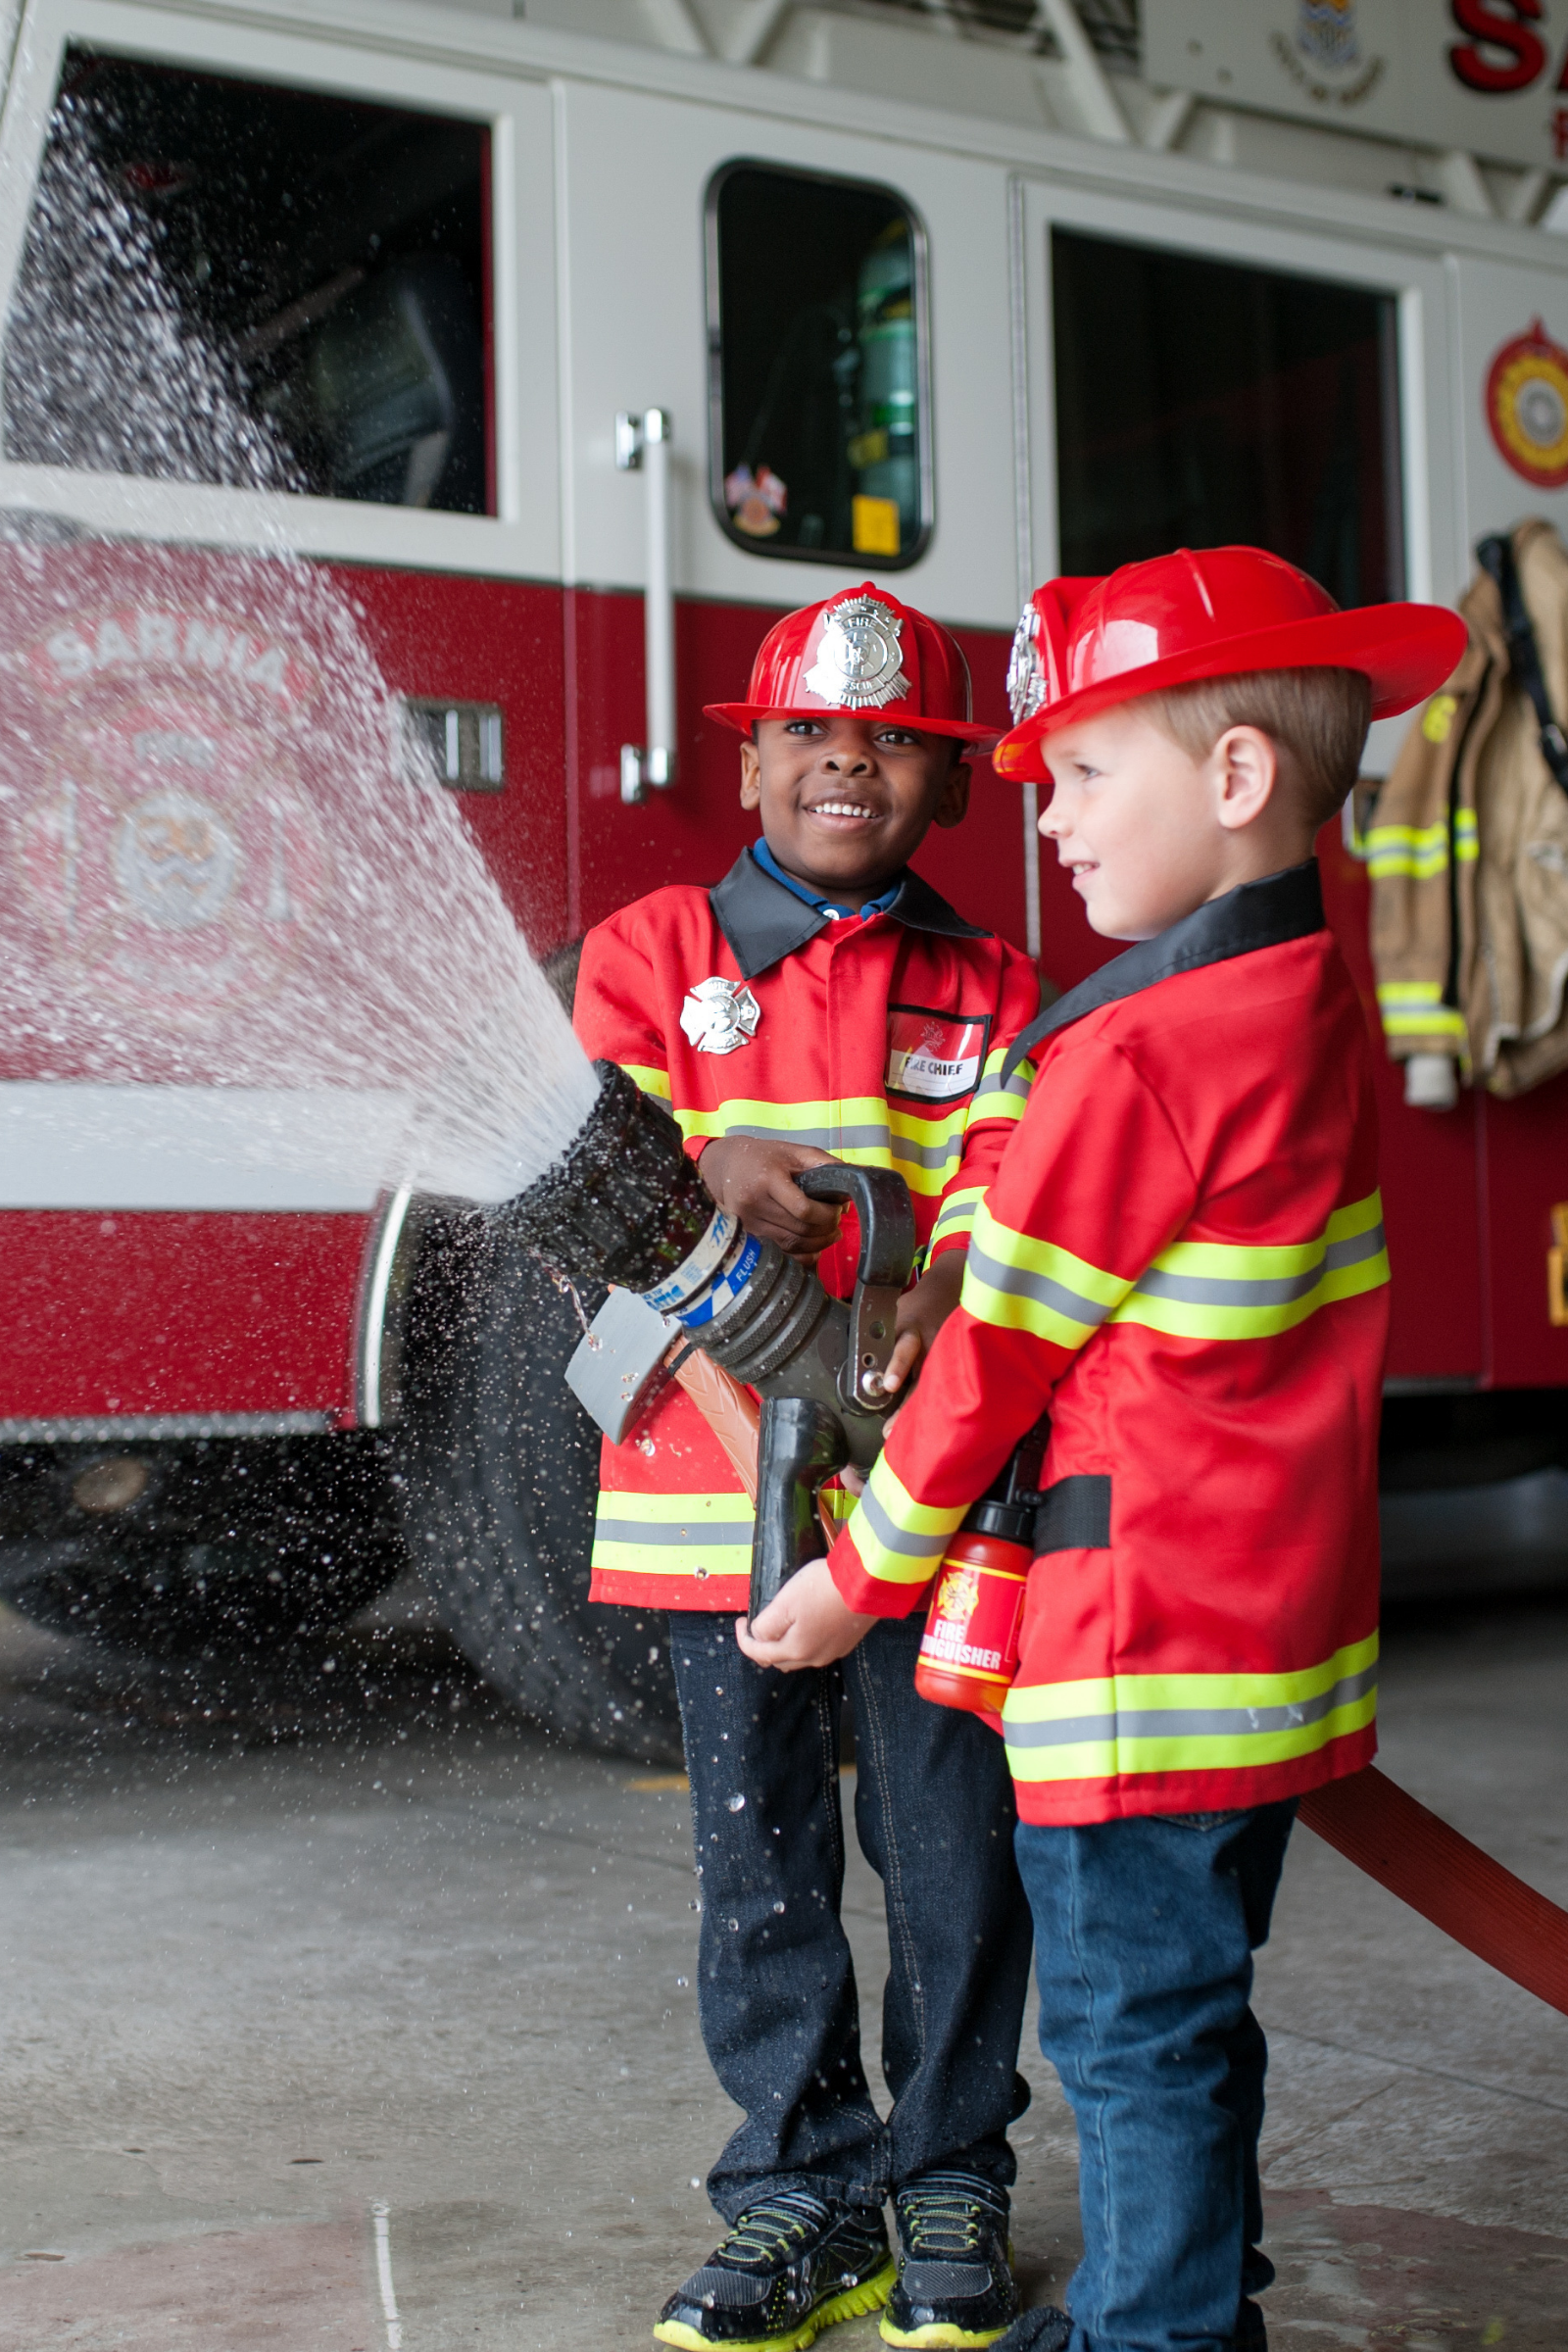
(1044,2329)
(1049,2330)
(955,2283)
(790,2266)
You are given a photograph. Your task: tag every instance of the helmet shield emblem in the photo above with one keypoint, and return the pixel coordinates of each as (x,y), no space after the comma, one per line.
(859,664)
(1027,670)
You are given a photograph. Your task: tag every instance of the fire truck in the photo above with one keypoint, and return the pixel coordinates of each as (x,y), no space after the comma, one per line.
(570,343)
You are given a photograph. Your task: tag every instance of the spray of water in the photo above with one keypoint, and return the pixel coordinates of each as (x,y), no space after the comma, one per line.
(248,928)
(103,371)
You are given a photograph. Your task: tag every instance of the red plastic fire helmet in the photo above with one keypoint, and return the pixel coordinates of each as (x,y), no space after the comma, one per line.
(863,652)
(1085,645)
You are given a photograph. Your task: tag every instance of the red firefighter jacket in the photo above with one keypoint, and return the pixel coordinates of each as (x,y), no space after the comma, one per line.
(880,1041)
(1181,1257)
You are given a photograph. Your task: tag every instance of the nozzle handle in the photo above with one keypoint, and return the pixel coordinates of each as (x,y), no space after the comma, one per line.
(802,1445)
(881,1200)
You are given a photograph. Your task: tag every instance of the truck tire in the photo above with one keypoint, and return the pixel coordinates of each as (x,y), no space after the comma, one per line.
(500,1473)
(233,1550)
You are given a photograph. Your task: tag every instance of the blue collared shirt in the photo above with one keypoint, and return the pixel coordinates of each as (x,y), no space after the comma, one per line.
(770,867)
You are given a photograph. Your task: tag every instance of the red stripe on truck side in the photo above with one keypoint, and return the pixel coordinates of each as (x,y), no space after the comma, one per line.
(152,1311)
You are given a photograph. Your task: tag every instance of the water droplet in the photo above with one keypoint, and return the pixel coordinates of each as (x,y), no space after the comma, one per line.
(778,1906)
(735,1805)
(683,1983)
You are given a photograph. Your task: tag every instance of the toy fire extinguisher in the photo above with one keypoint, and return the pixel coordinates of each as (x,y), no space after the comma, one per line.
(969,1653)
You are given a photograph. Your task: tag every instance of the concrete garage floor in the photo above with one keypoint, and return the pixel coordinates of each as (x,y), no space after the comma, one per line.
(354,2016)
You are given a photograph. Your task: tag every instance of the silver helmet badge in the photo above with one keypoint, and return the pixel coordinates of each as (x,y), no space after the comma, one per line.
(859,665)
(1026,669)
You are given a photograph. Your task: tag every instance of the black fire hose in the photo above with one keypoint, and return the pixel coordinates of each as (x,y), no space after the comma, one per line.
(626,1205)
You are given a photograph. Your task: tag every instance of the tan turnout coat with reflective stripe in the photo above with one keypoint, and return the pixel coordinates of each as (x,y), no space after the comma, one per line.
(1467,849)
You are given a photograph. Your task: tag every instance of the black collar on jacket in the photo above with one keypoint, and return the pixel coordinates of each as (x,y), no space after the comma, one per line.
(764,922)
(1253,916)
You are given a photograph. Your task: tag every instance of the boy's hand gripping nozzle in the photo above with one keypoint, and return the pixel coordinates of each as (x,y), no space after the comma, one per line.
(626,1205)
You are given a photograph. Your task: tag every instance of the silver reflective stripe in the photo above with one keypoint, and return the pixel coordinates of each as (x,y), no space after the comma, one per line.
(860,1138)
(926,1155)
(894,1538)
(1191,1723)
(951,1212)
(1017,1283)
(1213,1289)
(659,1531)
(1354,1249)
(1017,1087)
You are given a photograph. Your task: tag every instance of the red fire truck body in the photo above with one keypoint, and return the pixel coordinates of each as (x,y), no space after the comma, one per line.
(1004,377)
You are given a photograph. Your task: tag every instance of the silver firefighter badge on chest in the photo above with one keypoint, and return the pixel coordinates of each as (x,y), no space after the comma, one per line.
(719,1014)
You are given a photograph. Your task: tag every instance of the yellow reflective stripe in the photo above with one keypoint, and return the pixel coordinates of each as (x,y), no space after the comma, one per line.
(1415,1008)
(1442,1022)
(673,1534)
(1419,851)
(996,1098)
(1121,1725)
(860,1128)
(1215,1290)
(1017,1283)
(957,1212)
(652,1081)
(898,1539)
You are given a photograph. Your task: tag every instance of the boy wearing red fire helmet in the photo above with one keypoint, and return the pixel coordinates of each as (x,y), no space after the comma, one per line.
(1180,1258)
(821,1002)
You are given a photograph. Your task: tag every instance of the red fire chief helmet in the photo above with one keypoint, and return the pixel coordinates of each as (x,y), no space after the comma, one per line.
(863,652)
(1085,645)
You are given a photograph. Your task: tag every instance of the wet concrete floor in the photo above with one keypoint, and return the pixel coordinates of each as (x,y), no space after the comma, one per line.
(349,2015)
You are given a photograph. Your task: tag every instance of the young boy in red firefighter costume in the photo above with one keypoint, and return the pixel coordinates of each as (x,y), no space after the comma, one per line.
(822,1000)
(1181,1257)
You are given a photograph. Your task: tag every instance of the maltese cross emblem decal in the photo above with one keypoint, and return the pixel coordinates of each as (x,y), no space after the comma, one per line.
(719,1014)
(859,665)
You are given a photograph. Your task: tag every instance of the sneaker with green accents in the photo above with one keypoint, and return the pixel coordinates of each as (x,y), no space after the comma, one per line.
(955,2286)
(790,2266)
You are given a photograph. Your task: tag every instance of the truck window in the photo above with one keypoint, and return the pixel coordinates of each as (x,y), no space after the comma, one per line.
(818,366)
(226,282)
(1202,403)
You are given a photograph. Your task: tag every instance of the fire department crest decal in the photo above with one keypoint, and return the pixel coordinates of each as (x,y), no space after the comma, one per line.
(859,663)
(174,856)
(719,1014)
(1326,59)
(1326,33)
(1527,407)
(175,860)
(1026,669)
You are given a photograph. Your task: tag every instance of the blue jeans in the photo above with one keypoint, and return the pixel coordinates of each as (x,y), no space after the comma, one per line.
(780,2016)
(1146,1930)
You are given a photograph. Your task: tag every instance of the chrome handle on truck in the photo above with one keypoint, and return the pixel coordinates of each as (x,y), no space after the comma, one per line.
(642,446)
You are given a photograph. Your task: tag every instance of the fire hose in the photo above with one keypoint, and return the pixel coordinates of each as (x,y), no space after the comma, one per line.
(700,1299)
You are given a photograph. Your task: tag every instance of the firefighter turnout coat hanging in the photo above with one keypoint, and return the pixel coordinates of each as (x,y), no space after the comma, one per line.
(749,1012)
(1467,846)
(1180,1258)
